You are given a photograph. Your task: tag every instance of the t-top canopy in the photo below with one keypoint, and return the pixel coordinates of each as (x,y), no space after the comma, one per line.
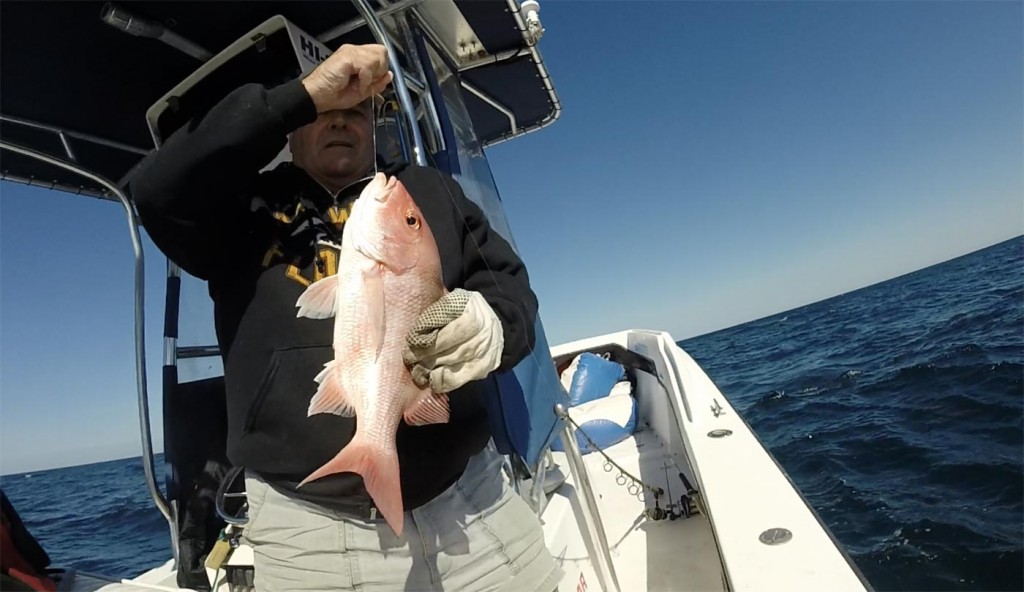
(77,78)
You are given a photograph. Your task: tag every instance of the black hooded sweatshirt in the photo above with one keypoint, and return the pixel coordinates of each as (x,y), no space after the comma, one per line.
(253,237)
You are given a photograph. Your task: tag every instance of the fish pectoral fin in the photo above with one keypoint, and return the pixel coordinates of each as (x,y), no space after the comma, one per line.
(330,397)
(319,300)
(373,288)
(428,408)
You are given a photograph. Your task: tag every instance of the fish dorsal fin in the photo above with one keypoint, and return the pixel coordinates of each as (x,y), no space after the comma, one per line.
(319,300)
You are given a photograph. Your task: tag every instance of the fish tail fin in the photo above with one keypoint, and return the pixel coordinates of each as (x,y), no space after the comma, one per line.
(379,470)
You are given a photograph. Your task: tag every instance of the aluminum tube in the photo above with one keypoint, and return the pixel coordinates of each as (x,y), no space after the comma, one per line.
(493,59)
(73,134)
(53,185)
(417,60)
(140,335)
(591,517)
(354,24)
(419,153)
(493,103)
(67,146)
(188,352)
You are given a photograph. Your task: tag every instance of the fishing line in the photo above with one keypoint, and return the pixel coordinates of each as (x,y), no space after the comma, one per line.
(373,128)
(476,244)
(638,485)
(636,488)
(531,347)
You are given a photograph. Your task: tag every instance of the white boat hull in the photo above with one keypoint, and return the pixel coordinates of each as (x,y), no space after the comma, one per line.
(754,530)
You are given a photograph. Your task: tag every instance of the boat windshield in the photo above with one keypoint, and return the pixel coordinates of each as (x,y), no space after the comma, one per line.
(196,331)
(471,168)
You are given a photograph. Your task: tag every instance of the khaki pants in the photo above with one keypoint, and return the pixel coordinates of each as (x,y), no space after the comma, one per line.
(477,535)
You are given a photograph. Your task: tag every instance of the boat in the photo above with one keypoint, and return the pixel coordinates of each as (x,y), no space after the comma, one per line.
(679,495)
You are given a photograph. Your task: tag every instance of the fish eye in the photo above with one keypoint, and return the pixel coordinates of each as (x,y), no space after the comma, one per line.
(412,220)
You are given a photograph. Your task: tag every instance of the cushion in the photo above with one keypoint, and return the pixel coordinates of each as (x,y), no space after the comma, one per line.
(593,378)
(606,421)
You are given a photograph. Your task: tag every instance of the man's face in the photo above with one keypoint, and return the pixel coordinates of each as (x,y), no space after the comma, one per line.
(337,148)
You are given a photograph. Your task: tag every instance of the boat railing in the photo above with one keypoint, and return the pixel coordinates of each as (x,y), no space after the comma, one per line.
(401,89)
(66,137)
(592,526)
(140,336)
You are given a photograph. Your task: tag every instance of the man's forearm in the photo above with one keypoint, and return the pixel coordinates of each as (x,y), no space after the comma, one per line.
(217,152)
(190,192)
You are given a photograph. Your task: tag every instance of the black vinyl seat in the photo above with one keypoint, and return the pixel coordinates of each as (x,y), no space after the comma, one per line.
(195,442)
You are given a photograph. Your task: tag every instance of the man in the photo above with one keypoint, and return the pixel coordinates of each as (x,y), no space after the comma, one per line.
(254,238)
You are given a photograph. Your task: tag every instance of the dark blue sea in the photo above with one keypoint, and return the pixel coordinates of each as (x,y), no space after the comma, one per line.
(897,409)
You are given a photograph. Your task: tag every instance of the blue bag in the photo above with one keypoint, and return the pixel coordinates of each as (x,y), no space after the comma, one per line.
(603,432)
(594,378)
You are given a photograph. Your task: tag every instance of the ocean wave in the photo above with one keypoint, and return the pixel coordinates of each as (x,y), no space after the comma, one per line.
(906,434)
(963,377)
(928,555)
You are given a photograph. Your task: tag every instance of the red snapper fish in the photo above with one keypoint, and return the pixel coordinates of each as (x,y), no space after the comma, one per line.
(389,271)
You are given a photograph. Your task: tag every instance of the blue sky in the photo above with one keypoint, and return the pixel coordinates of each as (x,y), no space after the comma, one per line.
(715,163)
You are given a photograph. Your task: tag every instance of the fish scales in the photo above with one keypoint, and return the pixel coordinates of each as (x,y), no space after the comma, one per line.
(389,272)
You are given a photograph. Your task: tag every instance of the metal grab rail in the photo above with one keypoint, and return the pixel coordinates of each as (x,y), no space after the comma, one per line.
(404,99)
(530,37)
(354,24)
(593,527)
(140,329)
(66,133)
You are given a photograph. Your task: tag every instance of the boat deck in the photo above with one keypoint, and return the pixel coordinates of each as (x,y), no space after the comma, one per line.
(159,578)
(647,555)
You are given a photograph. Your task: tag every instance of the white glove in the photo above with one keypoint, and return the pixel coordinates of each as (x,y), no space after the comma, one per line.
(456,340)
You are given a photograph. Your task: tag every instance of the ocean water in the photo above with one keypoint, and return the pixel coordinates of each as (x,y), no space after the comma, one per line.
(97,518)
(897,409)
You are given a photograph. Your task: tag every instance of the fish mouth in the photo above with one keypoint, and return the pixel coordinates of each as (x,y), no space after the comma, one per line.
(381,187)
(368,230)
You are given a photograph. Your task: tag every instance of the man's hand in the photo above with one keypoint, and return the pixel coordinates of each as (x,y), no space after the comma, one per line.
(456,340)
(348,77)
